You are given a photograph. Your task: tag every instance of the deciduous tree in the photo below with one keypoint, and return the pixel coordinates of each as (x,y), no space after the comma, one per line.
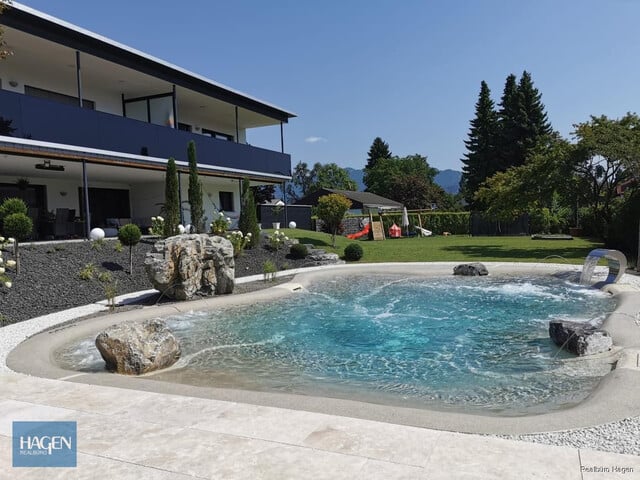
(331,209)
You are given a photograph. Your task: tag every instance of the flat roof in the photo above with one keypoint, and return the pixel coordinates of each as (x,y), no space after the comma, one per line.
(40,24)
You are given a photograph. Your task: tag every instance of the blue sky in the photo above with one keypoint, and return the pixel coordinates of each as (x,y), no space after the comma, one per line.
(408,71)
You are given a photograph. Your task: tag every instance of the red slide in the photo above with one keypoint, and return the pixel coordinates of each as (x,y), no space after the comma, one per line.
(361,233)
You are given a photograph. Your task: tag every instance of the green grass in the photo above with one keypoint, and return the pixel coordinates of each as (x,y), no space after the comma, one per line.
(457,248)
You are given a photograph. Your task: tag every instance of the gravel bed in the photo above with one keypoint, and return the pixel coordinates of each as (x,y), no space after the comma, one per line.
(49,278)
(615,437)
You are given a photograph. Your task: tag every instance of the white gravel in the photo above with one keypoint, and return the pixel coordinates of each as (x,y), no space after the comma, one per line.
(615,437)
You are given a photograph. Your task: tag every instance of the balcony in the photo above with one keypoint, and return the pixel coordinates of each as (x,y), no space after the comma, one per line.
(49,121)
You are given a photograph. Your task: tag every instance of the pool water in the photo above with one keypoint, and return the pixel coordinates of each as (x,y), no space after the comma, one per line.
(462,342)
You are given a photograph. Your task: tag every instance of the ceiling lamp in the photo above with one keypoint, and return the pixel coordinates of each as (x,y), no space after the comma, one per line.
(46,165)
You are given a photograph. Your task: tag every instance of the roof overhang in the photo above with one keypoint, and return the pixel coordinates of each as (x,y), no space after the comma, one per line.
(34,22)
(47,150)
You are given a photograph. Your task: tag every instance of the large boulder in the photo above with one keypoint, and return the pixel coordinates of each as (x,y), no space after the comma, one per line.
(579,338)
(134,348)
(470,269)
(185,265)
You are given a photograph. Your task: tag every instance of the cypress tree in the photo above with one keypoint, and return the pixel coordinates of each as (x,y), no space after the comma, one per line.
(481,159)
(248,221)
(379,149)
(195,190)
(171,200)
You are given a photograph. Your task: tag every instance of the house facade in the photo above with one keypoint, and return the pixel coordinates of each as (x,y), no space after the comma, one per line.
(87,125)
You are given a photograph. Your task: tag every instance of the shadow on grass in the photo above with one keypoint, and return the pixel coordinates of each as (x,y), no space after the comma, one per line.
(500,251)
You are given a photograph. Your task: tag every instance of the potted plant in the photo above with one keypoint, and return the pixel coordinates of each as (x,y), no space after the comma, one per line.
(276,210)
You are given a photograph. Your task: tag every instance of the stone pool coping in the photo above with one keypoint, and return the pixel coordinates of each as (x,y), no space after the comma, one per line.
(615,398)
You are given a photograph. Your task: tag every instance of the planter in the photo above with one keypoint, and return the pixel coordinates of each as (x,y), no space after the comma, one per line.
(276,225)
(575,231)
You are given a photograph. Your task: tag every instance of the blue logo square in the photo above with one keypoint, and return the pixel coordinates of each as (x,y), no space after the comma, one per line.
(45,444)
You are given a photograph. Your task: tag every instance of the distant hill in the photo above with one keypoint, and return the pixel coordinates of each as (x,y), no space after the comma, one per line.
(357,176)
(448,179)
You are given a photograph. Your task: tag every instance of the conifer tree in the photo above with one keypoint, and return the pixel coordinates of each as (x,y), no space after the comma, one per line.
(511,118)
(379,149)
(248,221)
(171,200)
(481,160)
(523,121)
(536,123)
(195,190)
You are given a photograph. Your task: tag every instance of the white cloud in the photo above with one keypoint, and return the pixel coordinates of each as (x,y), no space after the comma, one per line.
(315,139)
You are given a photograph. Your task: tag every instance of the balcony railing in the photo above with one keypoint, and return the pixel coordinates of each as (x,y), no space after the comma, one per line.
(50,121)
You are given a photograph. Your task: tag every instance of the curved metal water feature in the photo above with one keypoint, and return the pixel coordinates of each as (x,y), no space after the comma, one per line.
(616,260)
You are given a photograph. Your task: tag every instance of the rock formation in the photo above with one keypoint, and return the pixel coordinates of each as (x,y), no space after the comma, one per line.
(134,348)
(579,338)
(470,269)
(185,265)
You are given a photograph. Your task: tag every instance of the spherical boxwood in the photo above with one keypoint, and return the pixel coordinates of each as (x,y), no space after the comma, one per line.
(129,235)
(18,226)
(11,206)
(298,251)
(353,252)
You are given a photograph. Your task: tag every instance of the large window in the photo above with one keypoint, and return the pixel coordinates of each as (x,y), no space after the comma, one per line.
(105,203)
(58,97)
(226,202)
(156,109)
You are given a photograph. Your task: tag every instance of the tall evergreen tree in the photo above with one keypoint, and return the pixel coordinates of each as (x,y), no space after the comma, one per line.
(512,118)
(523,121)
(171,200)
(379,149)
(248,221)
(536,122)
(481,160)
(195,190)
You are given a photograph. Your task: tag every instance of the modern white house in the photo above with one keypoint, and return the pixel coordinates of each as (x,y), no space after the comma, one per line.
(87,126)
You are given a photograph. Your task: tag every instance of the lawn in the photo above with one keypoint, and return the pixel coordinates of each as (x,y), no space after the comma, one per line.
(457,248)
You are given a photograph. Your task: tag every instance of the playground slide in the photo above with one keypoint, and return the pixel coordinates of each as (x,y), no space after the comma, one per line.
(361,233)
(424,232)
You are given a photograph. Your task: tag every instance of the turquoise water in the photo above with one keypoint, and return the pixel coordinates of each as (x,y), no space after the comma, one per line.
(415,341)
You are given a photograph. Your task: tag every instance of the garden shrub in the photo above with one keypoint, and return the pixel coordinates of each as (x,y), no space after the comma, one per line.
(130,235)
(11,206)
(298,251)
(353,252)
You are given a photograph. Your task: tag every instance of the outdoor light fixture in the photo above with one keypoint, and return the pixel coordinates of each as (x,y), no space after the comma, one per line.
(46,165)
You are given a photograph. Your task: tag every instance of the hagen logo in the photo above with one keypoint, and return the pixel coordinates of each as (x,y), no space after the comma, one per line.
(44,444)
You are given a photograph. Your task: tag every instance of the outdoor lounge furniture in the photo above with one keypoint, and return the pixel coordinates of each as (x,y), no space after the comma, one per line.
(64,225)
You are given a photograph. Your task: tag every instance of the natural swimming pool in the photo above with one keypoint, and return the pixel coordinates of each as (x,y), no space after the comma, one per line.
(432,342)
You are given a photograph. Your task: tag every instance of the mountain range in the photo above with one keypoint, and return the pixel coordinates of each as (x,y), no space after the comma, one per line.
(448,179)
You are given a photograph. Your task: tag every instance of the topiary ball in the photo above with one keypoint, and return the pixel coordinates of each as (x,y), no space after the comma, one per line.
(353,252)
(129,235)
(298,251)
(11,206)
(18,226)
